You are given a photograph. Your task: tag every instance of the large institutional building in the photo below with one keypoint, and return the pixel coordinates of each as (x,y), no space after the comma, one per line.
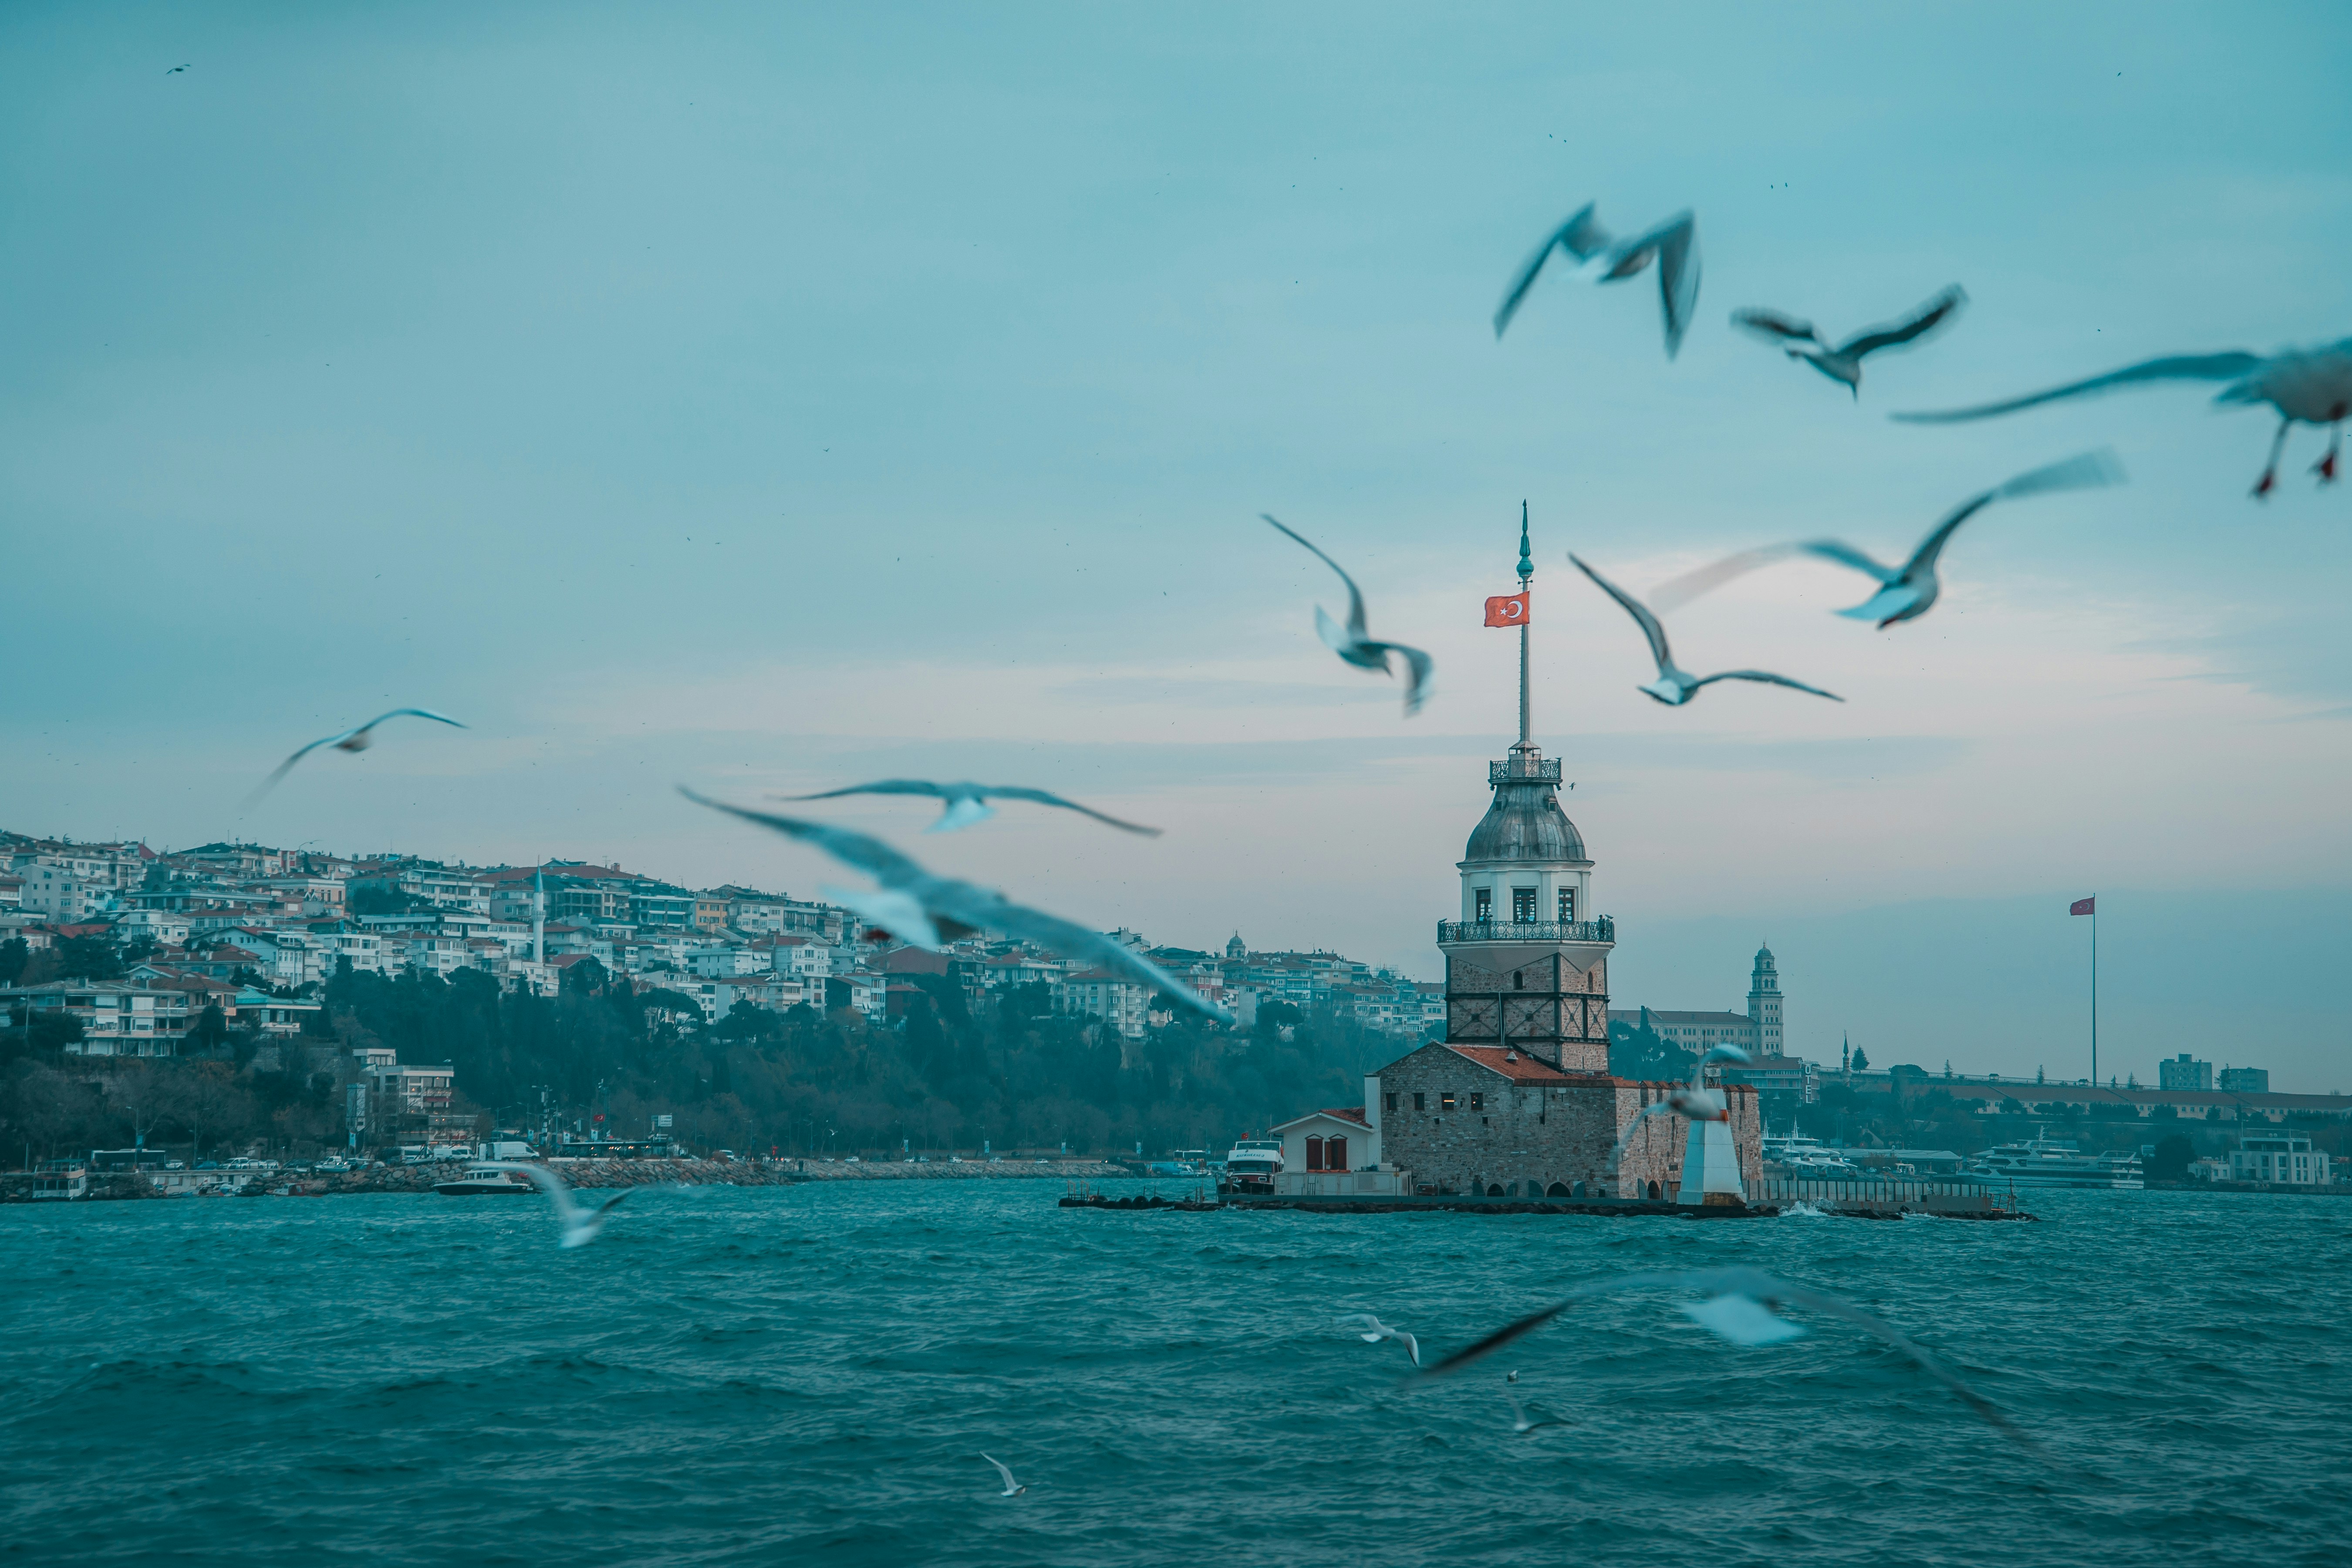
(1517,1100)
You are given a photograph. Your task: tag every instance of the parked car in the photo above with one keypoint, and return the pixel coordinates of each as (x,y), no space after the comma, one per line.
(208,1165)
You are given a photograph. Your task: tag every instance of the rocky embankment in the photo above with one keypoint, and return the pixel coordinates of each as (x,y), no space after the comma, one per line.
(609,1174)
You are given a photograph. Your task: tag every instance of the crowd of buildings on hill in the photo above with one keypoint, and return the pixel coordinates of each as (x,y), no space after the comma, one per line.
(256,932)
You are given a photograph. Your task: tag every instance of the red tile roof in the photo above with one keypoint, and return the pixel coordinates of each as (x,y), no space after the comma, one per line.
(1354,1113)
(1523,1069)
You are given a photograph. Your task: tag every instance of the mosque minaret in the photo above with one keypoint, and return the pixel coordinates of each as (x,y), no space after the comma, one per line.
(1518,1100)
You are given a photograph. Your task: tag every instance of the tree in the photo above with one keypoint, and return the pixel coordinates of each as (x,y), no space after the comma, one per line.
(209,1103)
(89,958)
(1643,1054)
(14,956)
(1861,1060)
(2170,1161)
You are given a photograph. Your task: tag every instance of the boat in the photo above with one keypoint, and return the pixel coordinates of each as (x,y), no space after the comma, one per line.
(485,1182)
(1807,1159)
(2056,1162)
(67,1179)
(1251,1167)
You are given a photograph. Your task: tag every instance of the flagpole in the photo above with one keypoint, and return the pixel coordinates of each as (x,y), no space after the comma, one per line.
(1526,575)
(2094,992)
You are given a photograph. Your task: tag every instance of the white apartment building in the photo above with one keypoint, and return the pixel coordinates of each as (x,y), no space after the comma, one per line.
(60,895)
(1118,1002)
(726,962)
(2286,1158)
(116,1020)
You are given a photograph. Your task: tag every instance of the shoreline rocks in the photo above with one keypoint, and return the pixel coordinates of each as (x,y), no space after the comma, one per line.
(605,1173)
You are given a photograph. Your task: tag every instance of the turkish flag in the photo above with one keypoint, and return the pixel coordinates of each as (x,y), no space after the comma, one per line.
(2084,907)
(1508,609)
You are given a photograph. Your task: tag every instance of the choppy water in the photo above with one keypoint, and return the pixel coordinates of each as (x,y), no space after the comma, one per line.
(808,1375)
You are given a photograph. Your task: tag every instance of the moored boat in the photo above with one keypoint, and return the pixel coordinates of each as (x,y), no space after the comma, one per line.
(485,1182)
(2056,1162)
(1251,1167)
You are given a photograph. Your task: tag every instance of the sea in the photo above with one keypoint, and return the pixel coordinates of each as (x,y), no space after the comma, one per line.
(812,1374)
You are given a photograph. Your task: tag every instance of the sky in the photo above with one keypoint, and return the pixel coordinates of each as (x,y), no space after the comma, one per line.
(767,398)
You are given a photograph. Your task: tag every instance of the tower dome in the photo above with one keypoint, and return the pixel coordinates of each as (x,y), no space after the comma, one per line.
(1524,822)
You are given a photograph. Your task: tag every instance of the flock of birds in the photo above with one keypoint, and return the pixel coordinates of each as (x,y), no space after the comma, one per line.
(918,906)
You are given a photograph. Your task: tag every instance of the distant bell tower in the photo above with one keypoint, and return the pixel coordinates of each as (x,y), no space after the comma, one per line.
(1764,1004)
(1526,964)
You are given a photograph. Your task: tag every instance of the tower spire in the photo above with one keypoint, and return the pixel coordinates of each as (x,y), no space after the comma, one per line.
(1527,577)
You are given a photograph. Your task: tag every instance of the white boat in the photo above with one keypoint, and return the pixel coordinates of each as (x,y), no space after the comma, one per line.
(61,1179)
(1807,1159)
(1251,1167)
(486,1182)
(2055,1162)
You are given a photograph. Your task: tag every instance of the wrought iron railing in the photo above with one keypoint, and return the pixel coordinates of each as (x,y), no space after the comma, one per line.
(1602,929)
(1544,770)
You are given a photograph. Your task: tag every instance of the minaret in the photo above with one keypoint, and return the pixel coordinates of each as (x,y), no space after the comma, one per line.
(1526,964)
(539,916)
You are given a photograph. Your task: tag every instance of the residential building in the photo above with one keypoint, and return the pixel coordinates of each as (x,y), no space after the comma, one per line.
(2182,1073)
(2245,1080)
(404,1097)
(1116,999)
(1339,1138)
(59,895)
(2285,1159)
(117,1019)
(725,962)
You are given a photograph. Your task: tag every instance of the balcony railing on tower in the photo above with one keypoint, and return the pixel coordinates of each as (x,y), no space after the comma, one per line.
(1519,768)
(1602,929)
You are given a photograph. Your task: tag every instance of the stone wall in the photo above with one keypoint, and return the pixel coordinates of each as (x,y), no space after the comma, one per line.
(1530,1137)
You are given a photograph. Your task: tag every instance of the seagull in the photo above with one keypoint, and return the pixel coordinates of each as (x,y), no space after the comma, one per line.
(968,803)
(1905,591)
(1519,1422)
(581,1225)
(1374,1331)
(2310,385)
(1693,1101)
(175,71)
(920,907)
(1675,244)
(1844,362)
(1012,1487)
(1738,1309)
(1512,1377)
(1674,686)
(358,740)
(1358,649)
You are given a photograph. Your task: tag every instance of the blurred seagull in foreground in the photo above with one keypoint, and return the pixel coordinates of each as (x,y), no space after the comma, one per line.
(580,1225)
(1738,1308)
(1519,1422)
(1358,650)
(358,740)
(1012,1487)
(1844,362)
(1372,1330)
(1675,685)
(1693,1101)
(927,911)
(1905,591)
(2310,385)
(968,803)
(1674,244)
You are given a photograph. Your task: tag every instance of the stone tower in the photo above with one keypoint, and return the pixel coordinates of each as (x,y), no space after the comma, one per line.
(1764,1004)
(1526,962)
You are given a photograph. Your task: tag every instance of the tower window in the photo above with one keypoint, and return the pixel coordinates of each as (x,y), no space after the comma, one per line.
(1523,904)
(1567,905)
(1481,902)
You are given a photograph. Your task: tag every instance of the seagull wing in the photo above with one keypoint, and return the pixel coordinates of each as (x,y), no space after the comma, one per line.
(1768,677)
(406,713)
(1935,314)
(1673,595)
(547,1182)
(1642,616)
(1412,1346)
(1845,555)
(1581,236)
(1535,1319)
(1774,326)
(1355,598)
(879,786)
(867,854)
(1417,668)
(1656,1107)
(1678,242)
(2088,472)
(271,783)
(1043,797)
(988,912)
(1005,1471)
(2180,367)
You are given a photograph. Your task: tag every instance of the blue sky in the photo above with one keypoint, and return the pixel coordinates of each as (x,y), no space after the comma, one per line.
(763,399)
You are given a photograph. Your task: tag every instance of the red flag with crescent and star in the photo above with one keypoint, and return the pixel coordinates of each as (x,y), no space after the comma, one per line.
(2085,907)
(1508,609)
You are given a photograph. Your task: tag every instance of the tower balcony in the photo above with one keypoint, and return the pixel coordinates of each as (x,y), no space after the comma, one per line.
(1602,929)
(1522,767)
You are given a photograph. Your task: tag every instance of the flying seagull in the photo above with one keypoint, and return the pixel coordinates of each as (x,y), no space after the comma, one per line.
(1843,362)
(1674,244)
(1674,686)
(358,740)
(1519,1422)
(968,803)
(175,71)
(1012,1487)
(1693,1101)
(1738,1309)
(1905,591)
(1358,650)
(1372,1331)
(580,1225)
(920,907)
(2310,385)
